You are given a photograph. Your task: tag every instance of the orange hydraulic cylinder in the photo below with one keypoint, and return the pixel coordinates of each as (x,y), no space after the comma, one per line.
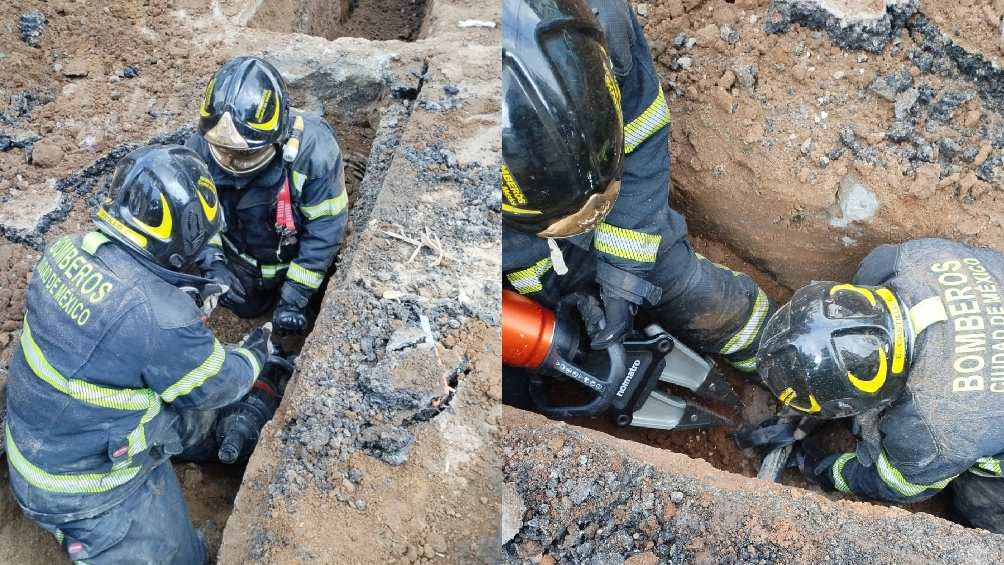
(527,331)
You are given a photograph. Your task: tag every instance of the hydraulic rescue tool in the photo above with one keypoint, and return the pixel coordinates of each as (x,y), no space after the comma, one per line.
(239,425)
(621,380)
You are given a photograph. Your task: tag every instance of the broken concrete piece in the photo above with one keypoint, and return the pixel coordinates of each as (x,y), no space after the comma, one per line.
(888,86)
(905,102)
(855,203)
(24,211)
(405,337)
(76,68)
(513,508)
(746,73)
(863,24)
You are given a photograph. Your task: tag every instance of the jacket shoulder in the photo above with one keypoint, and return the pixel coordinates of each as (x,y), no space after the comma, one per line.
(319,150)
(170,307)
(618,25)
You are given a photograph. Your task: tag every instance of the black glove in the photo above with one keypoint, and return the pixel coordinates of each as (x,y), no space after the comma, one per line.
(619,318)
(290,316)
(813,461)
(259,342)
(234,293)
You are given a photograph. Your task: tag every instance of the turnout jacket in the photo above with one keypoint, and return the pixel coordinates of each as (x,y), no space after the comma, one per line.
(948,419)
(108,355)
(634,231)
(319,202)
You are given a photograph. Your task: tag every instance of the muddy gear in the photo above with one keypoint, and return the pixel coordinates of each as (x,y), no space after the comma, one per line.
(110,359)
(259,341)
(707,306)
(232,287)
(563,138)
(290,316)
(163,205)
(245,115)
(618,318)
(239,425)
(945,423)
(836,350)
(264,255)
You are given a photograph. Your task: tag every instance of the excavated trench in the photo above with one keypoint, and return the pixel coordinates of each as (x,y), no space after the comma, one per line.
(331,19)
(368,113)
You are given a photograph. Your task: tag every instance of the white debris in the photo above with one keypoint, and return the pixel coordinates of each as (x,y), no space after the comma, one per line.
(476,23)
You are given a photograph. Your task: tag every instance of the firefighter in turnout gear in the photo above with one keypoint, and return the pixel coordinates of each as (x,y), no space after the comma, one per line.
(280,175)
(585,183)
(913,351)
(116,371)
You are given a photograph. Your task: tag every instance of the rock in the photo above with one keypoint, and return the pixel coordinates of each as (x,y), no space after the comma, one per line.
(708,34)
(129,72)
(972,118)
(729,34)
(647,558)
(31,27)
(680,40)
(676,496)
(355,475)
(948,149)
(988,170)
(438,542)
(675,8)
(642,10)
(46,154)
(899,132)
(855,202)
(944,109)
(513,509)
(851,25)
(905,101)
(684,62)
(25,210)
(746,73)
(727,80)
(76,68)
(888,86)
(806,147)
(360,505)
(407,336)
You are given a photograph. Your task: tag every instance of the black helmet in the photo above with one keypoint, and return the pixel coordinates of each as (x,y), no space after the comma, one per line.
(244,115)
(562,132)
(162,205)
(836,350)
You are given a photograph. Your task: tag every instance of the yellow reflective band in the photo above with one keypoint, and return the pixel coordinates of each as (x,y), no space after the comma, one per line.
(251,359)
(272,122)
(653,119)
(926,313)
(837,472)
(210,211)
(209,368)
(746,365)
(892,477)
(788,395)
(899,334)
(851,288)
(520,211)
(744,337)
(527,281)
(270,271)
(260,112)
(875,383)
(162,231)
(298,180)
(626,244)
(87,483)
(92,241)
(329,207)
(216,241)
(306,277)
(207,98)
(131,234)
(988,466)
(613,87)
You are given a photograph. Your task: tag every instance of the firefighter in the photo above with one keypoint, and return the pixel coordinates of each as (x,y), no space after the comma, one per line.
(913,352)
(585,184)
(280,175)
(116,370)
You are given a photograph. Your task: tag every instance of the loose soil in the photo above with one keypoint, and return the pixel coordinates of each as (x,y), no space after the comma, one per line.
(331,19)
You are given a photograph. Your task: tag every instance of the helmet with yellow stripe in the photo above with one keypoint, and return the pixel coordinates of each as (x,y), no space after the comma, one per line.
(245,115)
(562,128)
(836,350)
(162,205)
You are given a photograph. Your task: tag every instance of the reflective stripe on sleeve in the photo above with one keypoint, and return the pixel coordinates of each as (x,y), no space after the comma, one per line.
(329,207)
(838,472)
(895,480)
(272,271)
(306,277)
(746,365)
(653,119)
(626,244)
(216,241)
(744,337)
(250,357)
(209,368)
(527,281)
(988,467)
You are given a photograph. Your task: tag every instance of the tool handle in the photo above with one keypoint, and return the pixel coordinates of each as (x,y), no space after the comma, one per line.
(600,402)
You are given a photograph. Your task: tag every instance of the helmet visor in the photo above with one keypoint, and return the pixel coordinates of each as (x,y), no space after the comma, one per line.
(242,161)
(595,209)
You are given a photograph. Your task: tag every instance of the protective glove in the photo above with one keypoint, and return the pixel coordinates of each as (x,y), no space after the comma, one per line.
(234,293)
(290,316)
(259,342)
(619,319)
(813,461)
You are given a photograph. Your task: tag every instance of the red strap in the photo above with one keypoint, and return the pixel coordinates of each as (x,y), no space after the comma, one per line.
(264,387)
(284,210)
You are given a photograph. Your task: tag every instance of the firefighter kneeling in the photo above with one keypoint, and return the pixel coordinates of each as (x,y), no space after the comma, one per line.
(912,352)
(116,371)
